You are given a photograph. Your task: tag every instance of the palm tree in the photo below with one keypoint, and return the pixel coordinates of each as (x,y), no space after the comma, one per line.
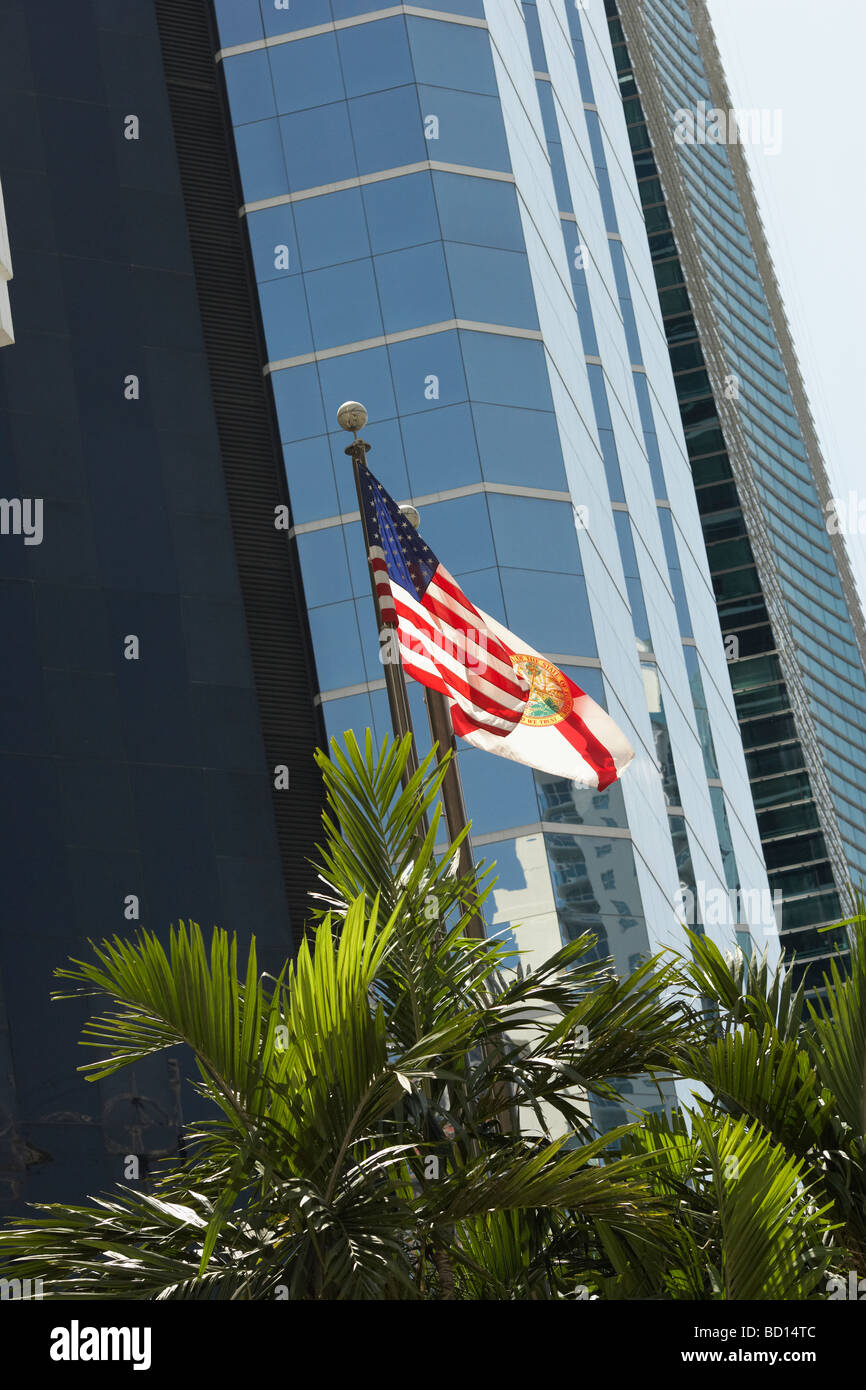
(786,1081)
(359,1137)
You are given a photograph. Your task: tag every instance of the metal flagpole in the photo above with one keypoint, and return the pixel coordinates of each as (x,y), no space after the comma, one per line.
(442,733)
(352,416)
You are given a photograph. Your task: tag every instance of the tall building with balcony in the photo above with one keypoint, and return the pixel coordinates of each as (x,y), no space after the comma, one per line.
(784,589)
(444,223)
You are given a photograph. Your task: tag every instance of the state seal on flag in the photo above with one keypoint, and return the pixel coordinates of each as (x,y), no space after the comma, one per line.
(549,700)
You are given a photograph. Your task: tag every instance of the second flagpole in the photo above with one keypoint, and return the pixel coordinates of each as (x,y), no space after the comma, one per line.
(442,733)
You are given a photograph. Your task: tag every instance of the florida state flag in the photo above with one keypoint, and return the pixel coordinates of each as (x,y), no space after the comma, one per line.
(562,730)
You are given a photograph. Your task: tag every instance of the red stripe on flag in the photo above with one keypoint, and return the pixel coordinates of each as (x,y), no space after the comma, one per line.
(588,746)
(414,630)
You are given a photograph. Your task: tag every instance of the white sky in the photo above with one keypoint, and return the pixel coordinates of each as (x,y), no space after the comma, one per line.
(806,59)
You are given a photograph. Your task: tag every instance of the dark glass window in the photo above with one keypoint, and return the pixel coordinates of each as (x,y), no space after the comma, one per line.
(401,212)
(318,146)
(451,55)
(260,159)
(330,229)
(374,56)
(788,819)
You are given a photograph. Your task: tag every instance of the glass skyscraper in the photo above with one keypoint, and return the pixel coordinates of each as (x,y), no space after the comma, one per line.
(786,597)
(445,224)
(154,668)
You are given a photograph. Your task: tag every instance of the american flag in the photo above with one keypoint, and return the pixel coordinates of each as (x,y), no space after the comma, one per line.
(444,641)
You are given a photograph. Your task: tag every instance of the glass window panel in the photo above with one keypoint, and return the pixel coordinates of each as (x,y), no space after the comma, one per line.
(298,402)
(508,371)
(239,21)
(711,470)
(451,55)
(284,317)
(482,211)
(440,449)
(610,456)
(704,440)
(812,975)
(685,869)
(310,477)
(793,881)
(283,16)
(822,908)
(470,129)
(723,830)
(388,130)
(331,229)
(629,324)
(318,146)
(598,391)
(428,372)
(533,34)
(401,212)
(813,942)
(500,794)
(736,583)
(544,91)
(788,818)
(270,231)
(777,730)
(693,666)
(260,160)
(762,701)
(593,877)
(542,533)
(588,339)
(568,802)
(325,566)
(668,536)
(306,73)
(459,533)
(558,172)
(376,56)
(491,286)
(337,645)
(352,712)
(757,670)
(344,304)
(523,889)
(414,287)
(580,60)
(768,761)
(799,850)
(658,720)
(655,463)
(550,611)
(509,437)
(248,82)
(358,376)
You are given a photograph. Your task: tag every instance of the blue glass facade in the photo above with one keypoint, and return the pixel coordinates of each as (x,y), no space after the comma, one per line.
(779,577)
(444,224)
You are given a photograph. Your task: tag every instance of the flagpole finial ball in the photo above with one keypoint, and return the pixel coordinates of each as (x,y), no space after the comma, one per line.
(352,416)
(412,515)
